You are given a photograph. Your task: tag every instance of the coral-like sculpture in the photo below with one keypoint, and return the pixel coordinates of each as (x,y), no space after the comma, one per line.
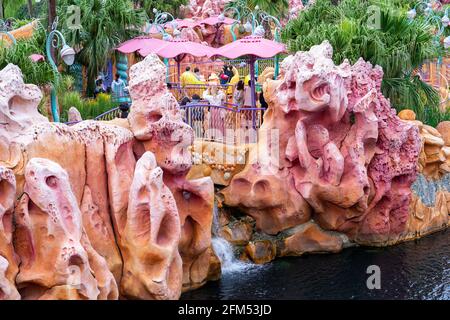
(344,156)
(8,261)
(156,121)
(203,8)
(95,215)
(56,262)
(151,236)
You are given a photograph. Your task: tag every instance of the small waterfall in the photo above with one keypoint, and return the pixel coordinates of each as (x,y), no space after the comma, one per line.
(224,249)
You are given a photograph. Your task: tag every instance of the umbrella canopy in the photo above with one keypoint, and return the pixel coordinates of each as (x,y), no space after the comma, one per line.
(139,43)
(177,48)
(251,46)
(215,20)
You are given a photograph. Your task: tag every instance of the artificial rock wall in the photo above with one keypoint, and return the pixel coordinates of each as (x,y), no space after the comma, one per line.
(98,210)
(343,165)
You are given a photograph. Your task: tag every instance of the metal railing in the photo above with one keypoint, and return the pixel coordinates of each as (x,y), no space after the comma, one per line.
(226,123)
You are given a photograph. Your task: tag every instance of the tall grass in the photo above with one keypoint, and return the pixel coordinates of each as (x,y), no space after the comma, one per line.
(88,108)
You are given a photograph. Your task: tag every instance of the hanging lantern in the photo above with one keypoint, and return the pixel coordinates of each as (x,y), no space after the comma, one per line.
(447,42)
(167,37)
(248,26)
(411,14)
(259,31)
(176,32)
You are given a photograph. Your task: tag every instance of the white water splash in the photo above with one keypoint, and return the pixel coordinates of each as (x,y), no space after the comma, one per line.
(224,249)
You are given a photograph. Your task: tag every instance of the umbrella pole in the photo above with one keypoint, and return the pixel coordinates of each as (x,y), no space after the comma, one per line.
(179,73)
(253,90)
(277,66)
(166,62)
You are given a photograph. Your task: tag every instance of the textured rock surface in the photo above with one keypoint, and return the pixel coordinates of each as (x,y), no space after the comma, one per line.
(310,238)
(8,261)
(54,257)
(344,156)
(156,122)
(261,251)
(84,189)
(149,243)
(74,115)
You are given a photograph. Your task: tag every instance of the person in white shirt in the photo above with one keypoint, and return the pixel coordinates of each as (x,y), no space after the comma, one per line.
(216,116)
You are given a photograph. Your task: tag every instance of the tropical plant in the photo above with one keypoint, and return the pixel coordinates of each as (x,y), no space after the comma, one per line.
(278,8)
(172,7)
(88,108)
(39,73)
(398,45)
(104,25)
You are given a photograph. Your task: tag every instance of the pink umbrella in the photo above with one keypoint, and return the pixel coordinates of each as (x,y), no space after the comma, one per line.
(253,47)
(216,20)
(37,57)
(139,43)
(178,49)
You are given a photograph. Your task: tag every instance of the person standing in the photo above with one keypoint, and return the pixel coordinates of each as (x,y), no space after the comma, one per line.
(98,88)
(118,87)
(217,115)
(238,97)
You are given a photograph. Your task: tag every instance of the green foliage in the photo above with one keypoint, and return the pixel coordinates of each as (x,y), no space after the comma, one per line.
(104,25)
(88,108)
(39,73)
(399,46)
(172,7)
(276,8)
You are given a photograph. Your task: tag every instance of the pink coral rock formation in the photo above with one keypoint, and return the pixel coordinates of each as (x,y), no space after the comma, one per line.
(57,261)
(156,121)
(8,261)
(82,195)
(343,155)
(151,236)
(203,8)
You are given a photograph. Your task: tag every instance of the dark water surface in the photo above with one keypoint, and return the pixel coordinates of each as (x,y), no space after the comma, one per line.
(412,270)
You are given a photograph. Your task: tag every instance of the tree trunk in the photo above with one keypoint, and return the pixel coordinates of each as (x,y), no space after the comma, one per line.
(51,13)
(2,10)
(90,86)
(30,8)
(51,18)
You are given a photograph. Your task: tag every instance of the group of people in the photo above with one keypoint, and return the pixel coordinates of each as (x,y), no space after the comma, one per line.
(118,87)
(220,90)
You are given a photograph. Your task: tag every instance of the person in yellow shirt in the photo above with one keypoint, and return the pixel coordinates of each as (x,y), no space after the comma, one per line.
(184,79)
(247,79)
(233,82)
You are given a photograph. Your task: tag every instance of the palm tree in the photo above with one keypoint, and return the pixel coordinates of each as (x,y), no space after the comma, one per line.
(104,25)
(2,10)
(30,8)
(51,12)
(278,8)
(399,46)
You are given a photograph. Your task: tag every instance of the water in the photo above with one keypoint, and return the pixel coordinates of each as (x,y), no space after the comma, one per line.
(412,270)
(224,249)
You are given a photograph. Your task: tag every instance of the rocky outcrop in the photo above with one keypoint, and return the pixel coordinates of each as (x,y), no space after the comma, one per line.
(8,261)
(342,157)
(56,258)
(150,238)
(156,121)
(94,216)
